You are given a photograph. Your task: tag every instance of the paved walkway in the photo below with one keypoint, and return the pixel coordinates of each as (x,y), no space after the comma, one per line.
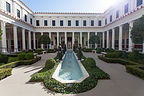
(121,83)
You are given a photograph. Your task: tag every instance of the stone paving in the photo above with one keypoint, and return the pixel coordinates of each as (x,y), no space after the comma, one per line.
(120,84)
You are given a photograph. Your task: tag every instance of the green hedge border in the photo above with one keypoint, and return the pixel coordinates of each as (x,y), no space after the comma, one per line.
(131,67)
(136,70)
(117,60)
(6,70)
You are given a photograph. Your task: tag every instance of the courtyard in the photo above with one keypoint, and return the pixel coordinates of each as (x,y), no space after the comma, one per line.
(121,83)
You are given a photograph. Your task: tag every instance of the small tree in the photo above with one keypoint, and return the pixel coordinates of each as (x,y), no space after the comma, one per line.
(44,39)
(94,40)
(138,31)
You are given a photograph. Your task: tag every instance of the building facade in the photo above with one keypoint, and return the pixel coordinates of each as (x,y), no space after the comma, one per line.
(21,27)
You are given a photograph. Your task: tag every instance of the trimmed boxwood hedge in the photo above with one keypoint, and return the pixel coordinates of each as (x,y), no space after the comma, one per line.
(5,72)
(51,50)
(136,70)
(87,49)
(45,76)
(117,60)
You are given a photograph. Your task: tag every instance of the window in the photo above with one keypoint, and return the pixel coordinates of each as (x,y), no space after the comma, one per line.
(37,23)
(126,8)
(77,22)
(18,13)
(25,18)
(31,21)
(53,23)
(8,9)
(111,18)
(84,22)
(61,22)
(106,21)
(69,22)
(99,23)
(45,23)
(92,22)
(139,2)
(117,14)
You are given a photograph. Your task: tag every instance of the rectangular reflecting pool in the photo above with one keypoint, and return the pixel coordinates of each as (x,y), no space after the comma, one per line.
(70,70)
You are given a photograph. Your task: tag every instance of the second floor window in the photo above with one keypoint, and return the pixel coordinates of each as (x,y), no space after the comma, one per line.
(99,23)
(126,8)
(84,23)
(117,14)
(61,22)
(53,23)
(8,7)
(111,18)
(31,21)
(106,21)
(18,13)
(139,2)
(69,22)
(25,18)
(45,23)
(77,23)
(37,23)
(92,22)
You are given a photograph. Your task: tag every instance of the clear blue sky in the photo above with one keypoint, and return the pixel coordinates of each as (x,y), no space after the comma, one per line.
(69,5)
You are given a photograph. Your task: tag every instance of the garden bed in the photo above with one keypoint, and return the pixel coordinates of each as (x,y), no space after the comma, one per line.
(136,70)
(5,69)
(95,74)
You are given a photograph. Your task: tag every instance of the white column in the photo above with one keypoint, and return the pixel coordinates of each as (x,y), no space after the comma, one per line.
(4,44)
(15,39)
(73,39)
(29,32)
(57,39)
(81,38)
(107,39)
(50,40)
(103,39)
(88,38)
(95,43)
(130,40)
(120,37)
(23,39)
(34,40)
(66,38)
(42,46)
(113,38)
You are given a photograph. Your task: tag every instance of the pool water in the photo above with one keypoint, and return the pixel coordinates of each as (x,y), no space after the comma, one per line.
(70,69)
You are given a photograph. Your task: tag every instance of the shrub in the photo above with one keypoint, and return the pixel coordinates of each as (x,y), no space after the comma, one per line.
(89,63)
(133,56)
(50,63)
(39,51)
(51,50)
(21,56)
(117,60)
(99,50)
(29,56)
(12,59)
(135,70)
(29,62)
(79,55)
(88,49)
(3,58)
(109,50)
(113,55)
(10,65)
(5,72)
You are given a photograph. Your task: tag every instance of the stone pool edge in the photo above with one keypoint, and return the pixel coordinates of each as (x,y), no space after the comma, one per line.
(55,74)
